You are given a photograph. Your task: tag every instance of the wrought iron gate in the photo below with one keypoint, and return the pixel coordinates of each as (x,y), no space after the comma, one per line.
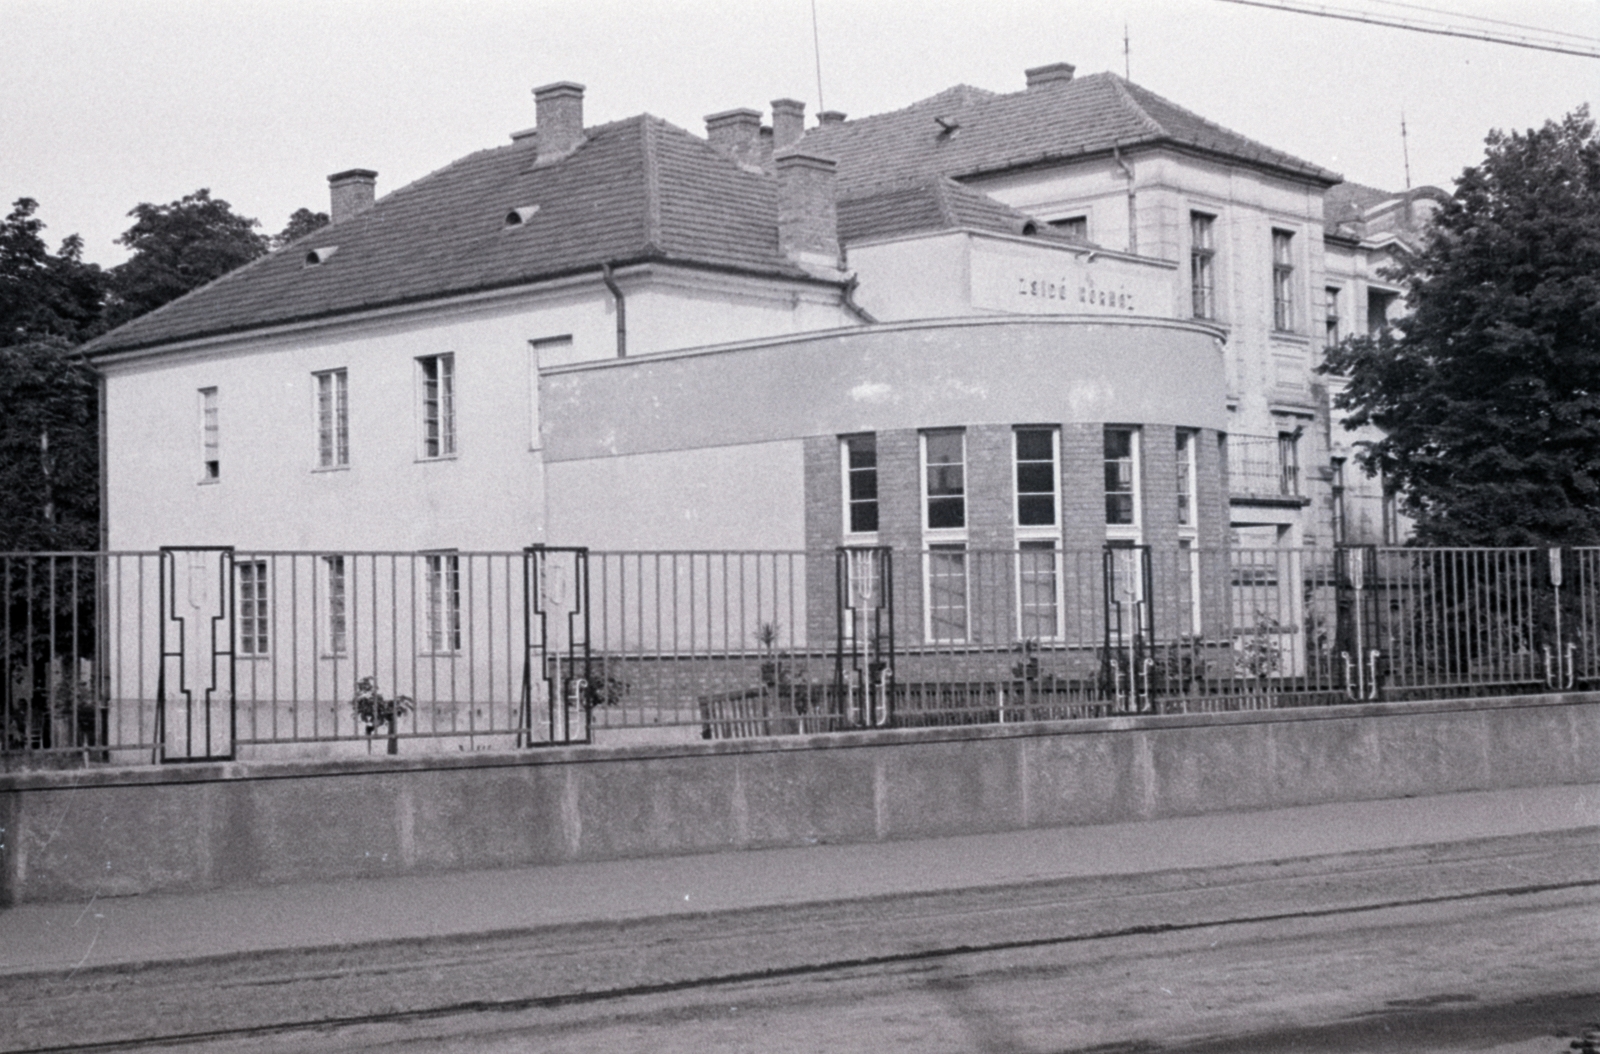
(558,688)
(864,652)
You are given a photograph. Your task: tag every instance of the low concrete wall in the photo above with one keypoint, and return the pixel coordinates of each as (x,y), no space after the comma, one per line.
(109,832)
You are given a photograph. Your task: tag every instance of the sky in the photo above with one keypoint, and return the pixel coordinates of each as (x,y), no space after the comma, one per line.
(108,103)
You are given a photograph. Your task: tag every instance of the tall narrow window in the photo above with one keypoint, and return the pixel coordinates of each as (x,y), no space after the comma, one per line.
(1336,484)
(251,606)
(1038,590)
(944,454)
(861,483)
(438,405)
(1202,275)
(1282,280)
(444,602)
(1121,460)
(210,436)
(1036,477)
(1330,319)
(1289,463)
(333,418)
(1186,474)
(338,625)
(1391,517)
(947,592)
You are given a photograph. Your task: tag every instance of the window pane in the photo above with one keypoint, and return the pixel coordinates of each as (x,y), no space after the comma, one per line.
(1035,444)
(947,594)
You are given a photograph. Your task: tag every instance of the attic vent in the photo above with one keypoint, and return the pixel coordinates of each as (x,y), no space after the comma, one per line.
(1030,228)
(947,125)
(518,216)
(320,256)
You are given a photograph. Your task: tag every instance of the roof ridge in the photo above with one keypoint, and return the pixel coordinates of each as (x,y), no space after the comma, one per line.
(1121,86)
(652,183)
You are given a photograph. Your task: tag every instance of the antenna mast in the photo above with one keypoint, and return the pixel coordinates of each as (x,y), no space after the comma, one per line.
(1126,68)
(816,50)
(1405,148)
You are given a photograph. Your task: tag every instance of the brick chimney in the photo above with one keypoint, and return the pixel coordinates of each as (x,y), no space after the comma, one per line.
(558,113)
(827,117)
(1045,76)
(808,218)
(736,134)
(351,192)
(788,123)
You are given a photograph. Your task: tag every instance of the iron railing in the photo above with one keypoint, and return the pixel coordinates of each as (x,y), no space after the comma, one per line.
(188,654)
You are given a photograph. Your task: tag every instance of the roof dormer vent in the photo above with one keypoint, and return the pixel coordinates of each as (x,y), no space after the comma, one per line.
(320,256)
(518,216)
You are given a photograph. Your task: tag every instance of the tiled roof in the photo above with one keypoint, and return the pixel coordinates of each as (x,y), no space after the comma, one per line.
(637,189)
(964,132)
(1348,201)
(912,207)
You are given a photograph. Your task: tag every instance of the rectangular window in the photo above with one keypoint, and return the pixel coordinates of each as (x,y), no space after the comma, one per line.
(1330,320)
(1282,280)
(1073,227)
(1038,590)
(944,456)
(1336,484)
(1186,474)
(338,625)
(333,418)
(252,606)
(1202,275)
(1036,477)
(438,405)
(1391,517)
(444,602)
(861,483)
(1289,463)
(947,592)
(1121,460)
(210,436)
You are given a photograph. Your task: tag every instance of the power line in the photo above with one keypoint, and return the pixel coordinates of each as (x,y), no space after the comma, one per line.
(1347,15)
(1491,21)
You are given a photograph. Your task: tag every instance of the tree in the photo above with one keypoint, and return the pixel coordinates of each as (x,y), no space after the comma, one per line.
(301,223)
(44,295)
(1488,393)
(178,247)
(49,451)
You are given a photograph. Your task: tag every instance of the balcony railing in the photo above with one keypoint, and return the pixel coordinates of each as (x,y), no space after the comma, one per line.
(1264,467)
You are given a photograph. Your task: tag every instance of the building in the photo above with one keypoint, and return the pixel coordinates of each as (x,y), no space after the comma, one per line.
(987,332)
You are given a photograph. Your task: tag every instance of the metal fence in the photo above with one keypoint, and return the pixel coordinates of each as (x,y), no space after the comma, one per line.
(189,654)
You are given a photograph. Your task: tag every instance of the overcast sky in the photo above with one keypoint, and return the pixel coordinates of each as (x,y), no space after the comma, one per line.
(108,103)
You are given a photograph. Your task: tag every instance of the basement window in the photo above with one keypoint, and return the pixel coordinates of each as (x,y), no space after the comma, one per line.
(518,216)
(320,256)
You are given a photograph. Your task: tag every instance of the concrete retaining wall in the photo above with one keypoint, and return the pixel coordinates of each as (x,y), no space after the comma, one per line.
(109,832)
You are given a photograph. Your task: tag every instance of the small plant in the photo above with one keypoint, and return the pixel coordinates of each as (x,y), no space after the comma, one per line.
(1260,654)
(1028,668)
(372,710)
(778,668)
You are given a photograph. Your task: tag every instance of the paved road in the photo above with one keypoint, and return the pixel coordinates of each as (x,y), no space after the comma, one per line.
(1488,944)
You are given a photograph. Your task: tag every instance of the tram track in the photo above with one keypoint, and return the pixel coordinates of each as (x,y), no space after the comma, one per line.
(280,995)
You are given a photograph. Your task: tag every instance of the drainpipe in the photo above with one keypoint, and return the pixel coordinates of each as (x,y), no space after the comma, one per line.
(622,310)
(850,300)
(1133,213)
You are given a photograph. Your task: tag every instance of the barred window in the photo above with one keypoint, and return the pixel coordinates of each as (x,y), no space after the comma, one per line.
(947,592)
(338,625)
(1039,590)
(444,602)
(252,606)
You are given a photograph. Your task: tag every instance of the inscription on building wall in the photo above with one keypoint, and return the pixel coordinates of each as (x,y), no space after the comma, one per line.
(1013,284)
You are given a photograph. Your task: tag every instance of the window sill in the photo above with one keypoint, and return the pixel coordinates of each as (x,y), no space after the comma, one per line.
(1289,336)
(207,482)
(424,460)
(330,468)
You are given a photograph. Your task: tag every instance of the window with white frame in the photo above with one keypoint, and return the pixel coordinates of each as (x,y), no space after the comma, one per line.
(210,437)
(333,418)
(1202,270)
(947,592)
(1038,589)
(1185,453)
(859,457)
(1289,463)
(251,606)
(443,573)
(1283,280)
(1036,475)
(438,383)
(338,620)
(944,460)
(1122,483)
